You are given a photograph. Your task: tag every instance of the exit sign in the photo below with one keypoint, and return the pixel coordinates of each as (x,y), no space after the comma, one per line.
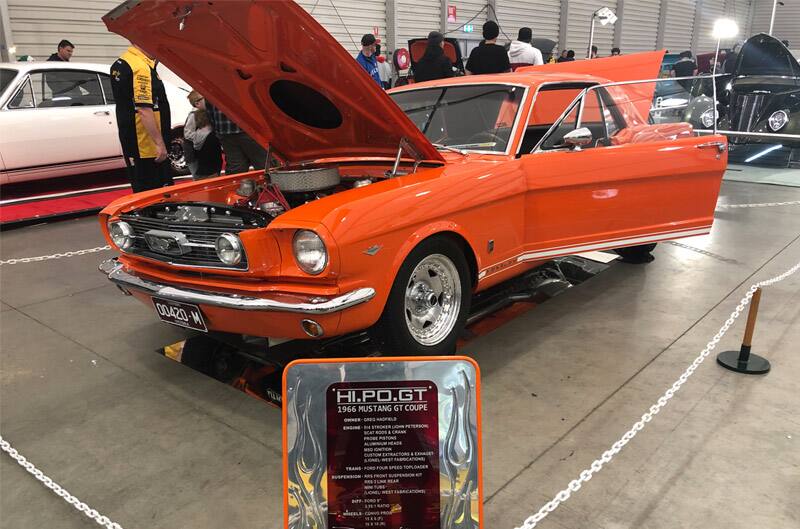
(469,28)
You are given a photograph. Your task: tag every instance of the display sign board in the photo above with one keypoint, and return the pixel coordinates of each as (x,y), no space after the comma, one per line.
(382,443)
(451,13)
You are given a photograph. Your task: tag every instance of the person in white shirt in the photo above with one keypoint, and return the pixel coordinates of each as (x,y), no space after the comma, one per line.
(521,52)
(384,69)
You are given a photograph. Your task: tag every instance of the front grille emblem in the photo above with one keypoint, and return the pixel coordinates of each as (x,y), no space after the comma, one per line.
(167,242)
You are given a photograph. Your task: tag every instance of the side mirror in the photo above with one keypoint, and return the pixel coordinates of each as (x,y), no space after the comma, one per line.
(578,138)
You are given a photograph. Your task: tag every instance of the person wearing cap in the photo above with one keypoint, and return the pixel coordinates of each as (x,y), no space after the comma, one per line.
(522,52)
(489,57)
(434,64)
(366,58)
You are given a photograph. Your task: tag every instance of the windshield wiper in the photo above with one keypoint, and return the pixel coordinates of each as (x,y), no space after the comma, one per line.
(448,148)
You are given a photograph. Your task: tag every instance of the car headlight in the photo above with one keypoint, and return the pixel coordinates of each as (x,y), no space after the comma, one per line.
(121,234)
(310,252)
(707,118)
(229,249)
(778,120)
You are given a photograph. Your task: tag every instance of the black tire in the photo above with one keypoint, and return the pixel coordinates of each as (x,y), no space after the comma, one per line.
(177,161)
(637,254)
(394,329)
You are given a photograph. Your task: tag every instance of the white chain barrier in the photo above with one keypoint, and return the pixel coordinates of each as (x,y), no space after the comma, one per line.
(56,488)
(53,256)
(576,484)
(761,205)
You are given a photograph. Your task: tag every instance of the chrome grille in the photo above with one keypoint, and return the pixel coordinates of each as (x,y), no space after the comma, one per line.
(749,108)
(199,233)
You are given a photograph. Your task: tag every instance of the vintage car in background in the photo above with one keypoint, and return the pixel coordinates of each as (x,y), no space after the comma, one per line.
(416,49)
(689,101)
(58,119)
(763,96)
(389,211)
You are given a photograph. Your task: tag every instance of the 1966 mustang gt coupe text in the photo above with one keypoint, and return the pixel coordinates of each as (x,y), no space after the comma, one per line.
(390,211)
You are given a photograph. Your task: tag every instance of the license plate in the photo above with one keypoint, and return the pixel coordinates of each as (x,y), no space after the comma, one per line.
(180,314)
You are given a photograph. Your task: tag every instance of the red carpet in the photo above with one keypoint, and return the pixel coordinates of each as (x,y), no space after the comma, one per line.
(41,209)
(30,202)
(27,203)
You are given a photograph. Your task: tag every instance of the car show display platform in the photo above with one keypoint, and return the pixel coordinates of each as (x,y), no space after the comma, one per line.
(260,376)
(34,202)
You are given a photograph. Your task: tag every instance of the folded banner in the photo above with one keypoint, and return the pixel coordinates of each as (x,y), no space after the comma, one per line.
(384,443)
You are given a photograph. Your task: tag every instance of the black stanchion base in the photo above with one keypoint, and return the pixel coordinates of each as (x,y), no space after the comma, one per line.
(754,365)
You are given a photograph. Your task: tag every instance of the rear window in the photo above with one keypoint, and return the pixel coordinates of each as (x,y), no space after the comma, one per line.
(6,76)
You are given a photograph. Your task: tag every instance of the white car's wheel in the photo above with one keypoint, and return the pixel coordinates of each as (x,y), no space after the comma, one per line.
(177,161)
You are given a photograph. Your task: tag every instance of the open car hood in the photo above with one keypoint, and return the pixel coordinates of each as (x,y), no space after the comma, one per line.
(272,69)
(763,54)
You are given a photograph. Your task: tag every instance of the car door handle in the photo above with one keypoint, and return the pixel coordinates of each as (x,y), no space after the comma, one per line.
(719,145)
(102,113)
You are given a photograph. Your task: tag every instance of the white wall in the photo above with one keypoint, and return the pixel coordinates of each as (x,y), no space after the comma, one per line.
(787,20)
(38,25)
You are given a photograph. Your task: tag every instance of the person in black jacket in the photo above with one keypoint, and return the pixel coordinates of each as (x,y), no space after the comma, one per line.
(64,53)
(434,64)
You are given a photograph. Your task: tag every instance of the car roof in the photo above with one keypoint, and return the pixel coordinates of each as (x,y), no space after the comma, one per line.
(24,66)
(528,79)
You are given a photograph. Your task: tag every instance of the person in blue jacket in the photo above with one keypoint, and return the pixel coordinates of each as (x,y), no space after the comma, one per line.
(366,57)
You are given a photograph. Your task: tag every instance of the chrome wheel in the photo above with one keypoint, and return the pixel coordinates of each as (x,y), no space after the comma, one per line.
(432,300)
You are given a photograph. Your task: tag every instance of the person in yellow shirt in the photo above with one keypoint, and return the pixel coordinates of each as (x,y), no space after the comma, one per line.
(143,119)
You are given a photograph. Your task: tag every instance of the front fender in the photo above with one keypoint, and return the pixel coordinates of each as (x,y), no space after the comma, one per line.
(427,231)
(383,267)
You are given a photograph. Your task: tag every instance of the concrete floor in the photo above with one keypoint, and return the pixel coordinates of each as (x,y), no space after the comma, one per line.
(153,444)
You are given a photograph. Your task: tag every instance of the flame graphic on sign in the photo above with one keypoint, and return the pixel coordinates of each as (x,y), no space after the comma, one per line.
(307,472)
(458,461)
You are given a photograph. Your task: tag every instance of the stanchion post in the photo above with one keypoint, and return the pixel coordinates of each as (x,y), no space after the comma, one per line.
(743,361)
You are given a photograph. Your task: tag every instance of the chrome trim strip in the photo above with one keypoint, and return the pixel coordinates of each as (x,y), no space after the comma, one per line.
(293,303)
(772,135)
(599,245)
(531,256)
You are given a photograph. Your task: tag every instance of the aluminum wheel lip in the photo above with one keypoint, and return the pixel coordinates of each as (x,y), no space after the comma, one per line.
(432,300)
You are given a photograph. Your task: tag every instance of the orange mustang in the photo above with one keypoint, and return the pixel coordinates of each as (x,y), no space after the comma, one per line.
(390,211)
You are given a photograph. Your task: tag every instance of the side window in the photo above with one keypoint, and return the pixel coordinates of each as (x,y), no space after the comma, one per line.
(610,113)
(555,139)
(106,82)
(66,88)
(588,113)
(24,97)
(550,103)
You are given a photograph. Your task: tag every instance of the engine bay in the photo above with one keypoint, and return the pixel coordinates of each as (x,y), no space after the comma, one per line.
(255,201)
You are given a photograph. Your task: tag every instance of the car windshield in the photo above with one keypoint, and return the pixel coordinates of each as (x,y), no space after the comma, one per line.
(6,76)
(471,117)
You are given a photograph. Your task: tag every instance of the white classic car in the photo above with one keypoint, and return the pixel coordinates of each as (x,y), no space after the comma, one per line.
(46,135)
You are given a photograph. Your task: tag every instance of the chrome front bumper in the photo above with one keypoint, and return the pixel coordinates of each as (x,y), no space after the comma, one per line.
(277,303)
